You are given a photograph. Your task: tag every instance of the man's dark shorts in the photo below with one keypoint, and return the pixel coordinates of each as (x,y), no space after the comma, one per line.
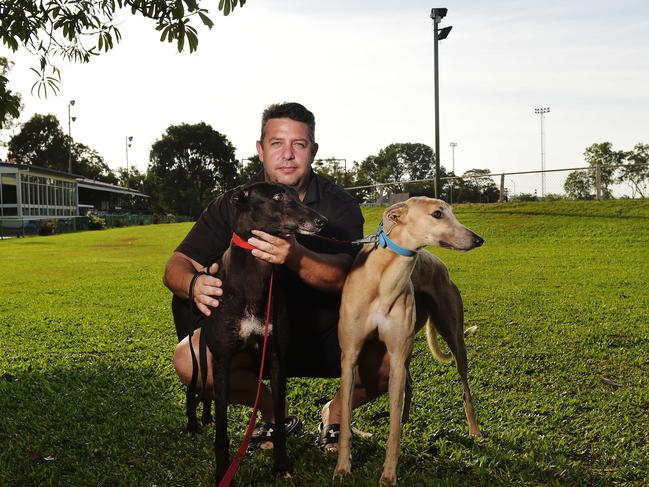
(315,354)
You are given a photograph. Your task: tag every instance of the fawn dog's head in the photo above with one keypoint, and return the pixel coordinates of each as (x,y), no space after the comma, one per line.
(422,221)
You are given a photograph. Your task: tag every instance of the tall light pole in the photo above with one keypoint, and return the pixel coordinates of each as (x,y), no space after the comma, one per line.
(437,14)
(542,112)
(127,143)
(453,146)
(70,120)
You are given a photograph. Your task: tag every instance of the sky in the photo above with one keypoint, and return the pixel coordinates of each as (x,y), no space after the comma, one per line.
(365,68)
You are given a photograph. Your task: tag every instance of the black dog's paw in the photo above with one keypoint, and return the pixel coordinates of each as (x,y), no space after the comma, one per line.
(283,469)
(283,474)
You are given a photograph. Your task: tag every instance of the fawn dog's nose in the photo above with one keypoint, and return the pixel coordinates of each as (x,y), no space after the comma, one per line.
(478,240)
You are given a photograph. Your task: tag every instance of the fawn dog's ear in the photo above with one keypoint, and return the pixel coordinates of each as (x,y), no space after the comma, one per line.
(394,215)
(240,196)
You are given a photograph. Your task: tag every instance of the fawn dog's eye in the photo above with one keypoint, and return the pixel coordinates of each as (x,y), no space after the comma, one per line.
(437,214)
(279,197)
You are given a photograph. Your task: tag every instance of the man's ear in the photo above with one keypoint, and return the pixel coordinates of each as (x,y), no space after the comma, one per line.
(394,215)
(260,150)
(240,197)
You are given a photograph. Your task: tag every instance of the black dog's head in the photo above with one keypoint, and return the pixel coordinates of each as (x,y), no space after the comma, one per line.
(273,208)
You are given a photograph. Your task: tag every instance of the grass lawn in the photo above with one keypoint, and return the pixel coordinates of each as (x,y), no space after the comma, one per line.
(559,367)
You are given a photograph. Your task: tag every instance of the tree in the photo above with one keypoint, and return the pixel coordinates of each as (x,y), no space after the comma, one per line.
(87,162)
(41,142)
(10,103)
(477,187)
(400,162)
(332,168)
(80,29)
(132,179)
(579,186)
(248,171)
(190,165)
(636,172)
(602,157)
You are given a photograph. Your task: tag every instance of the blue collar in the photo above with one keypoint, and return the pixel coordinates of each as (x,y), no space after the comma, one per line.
(385,241)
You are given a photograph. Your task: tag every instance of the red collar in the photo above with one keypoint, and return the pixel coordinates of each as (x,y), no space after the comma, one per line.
(239,242)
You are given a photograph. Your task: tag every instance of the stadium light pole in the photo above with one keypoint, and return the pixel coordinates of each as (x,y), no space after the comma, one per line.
(70,120)
(127,142)
(453,146)
(541,112)
(437,14)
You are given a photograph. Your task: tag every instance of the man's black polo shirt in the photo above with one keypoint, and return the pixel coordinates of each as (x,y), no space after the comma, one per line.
(311,312)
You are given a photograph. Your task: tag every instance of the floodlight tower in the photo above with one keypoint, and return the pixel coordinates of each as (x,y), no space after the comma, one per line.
(127,142)
(70,120)
(541,112)
(437,14)
(453,146)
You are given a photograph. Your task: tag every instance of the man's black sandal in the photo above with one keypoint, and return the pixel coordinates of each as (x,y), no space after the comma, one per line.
(328,435)
(264,430)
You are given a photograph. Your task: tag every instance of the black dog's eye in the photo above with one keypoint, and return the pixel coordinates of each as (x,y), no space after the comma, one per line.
(437,214)
(279,197)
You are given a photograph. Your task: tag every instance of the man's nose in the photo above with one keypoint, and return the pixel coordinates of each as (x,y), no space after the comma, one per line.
(288,152)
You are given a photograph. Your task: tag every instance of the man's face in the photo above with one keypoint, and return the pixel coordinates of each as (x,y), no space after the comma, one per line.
(287,152)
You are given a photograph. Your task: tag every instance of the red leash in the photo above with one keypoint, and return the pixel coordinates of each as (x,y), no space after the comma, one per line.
(241,453)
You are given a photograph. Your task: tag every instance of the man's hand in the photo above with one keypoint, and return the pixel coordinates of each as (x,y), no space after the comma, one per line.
(206,289)
(276,250)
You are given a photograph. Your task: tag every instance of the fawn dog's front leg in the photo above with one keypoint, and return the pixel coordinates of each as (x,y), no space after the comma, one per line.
(398,338)
(348,361)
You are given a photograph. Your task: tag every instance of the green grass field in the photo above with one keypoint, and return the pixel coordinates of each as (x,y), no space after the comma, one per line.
(559,367)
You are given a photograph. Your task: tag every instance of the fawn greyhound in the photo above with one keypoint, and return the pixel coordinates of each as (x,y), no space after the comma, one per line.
(238,321)
(379,300)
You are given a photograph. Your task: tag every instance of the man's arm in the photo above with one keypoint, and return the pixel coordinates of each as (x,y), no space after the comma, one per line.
(326,272)
(178,276)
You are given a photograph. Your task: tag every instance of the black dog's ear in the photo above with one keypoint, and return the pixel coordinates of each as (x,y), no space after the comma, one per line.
(240,197)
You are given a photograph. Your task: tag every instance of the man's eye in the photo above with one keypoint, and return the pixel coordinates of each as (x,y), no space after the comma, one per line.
(301,145)
(437,214)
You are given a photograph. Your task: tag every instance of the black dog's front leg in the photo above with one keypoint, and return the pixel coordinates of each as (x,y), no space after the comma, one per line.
(191,403)
(206,418)
(278,385)
(220,367)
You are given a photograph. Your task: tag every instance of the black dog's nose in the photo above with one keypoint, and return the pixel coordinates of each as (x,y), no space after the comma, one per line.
(478,240)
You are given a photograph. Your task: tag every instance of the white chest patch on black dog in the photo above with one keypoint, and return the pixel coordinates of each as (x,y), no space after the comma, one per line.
(251,325)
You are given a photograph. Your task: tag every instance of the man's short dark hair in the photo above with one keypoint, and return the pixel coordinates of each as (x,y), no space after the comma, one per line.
(292,110)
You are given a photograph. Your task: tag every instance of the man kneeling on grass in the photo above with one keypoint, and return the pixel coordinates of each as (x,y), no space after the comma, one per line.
(316,273)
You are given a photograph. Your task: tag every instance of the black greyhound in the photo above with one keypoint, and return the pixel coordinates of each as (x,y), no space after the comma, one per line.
(239,319)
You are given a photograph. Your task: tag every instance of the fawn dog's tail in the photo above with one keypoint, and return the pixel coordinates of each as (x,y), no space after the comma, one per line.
(433,343)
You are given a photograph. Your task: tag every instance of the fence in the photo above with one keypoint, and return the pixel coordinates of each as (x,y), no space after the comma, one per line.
(11,227)
(601,182)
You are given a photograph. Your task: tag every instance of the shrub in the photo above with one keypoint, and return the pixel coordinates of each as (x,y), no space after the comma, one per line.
(171,218)
(46,227)
(525,197)
(119,222)
(156,218)
(95,222)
